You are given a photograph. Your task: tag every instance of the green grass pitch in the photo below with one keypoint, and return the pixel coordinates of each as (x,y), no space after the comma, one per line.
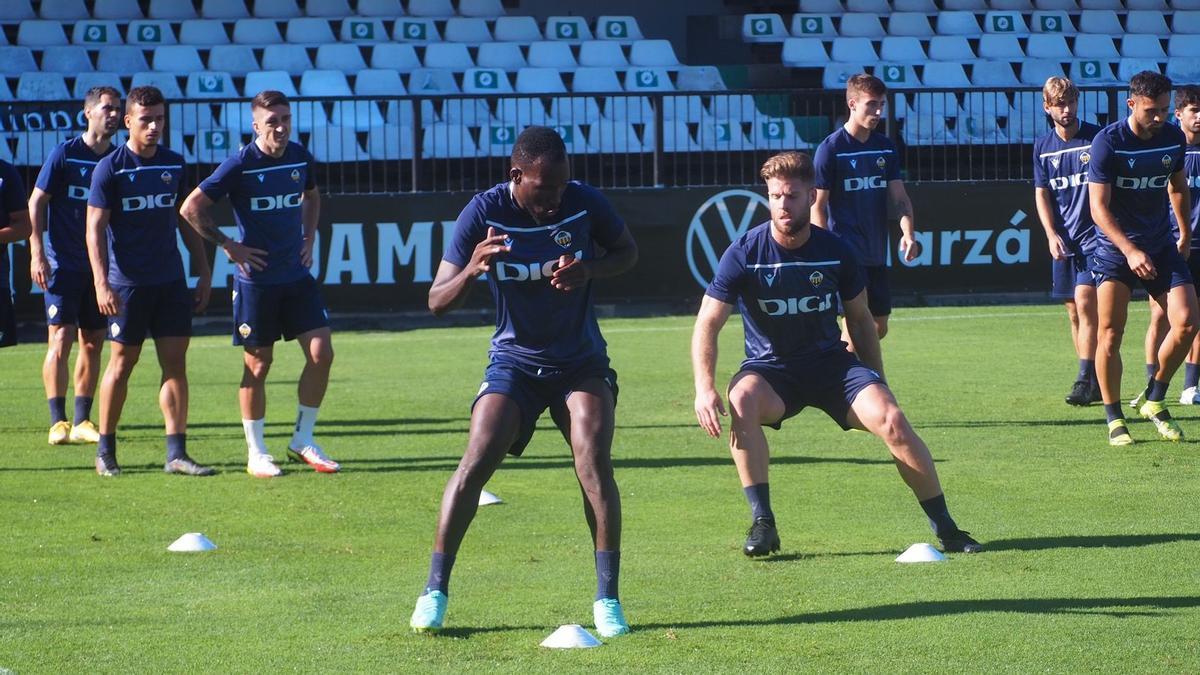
(1091,562)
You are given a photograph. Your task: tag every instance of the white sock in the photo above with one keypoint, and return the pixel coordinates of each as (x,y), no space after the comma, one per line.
(306,419)
(256,444)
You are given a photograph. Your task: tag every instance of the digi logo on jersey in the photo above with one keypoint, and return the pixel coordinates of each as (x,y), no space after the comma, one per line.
(1064,182)
(805,305)
(866,183)
(535,271)
(165,200)
(273,203)
(78,192)
(1142,183)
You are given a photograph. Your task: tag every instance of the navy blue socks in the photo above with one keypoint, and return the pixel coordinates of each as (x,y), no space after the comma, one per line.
(939,516)
(83,408)
(107,447)
(176,446)
(1113,411)
(1191,375)
(58,409)
(1157,390)
(759,496)
(608,570)
(439,573)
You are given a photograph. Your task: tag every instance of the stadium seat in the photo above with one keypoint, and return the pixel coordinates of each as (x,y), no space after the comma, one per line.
(600,53)
(835,75)
(958,23)
(327,9)
(418,29)
(684,108)
(63,10)
(1183,68)
(38,86)
(617,136)
(522,112)
(486,81)
(171,10)
(945,75)
(897,75)
(33,147)
(1005,23)
(853,49)
(861,25)
(380,8)
(16,11)
(549,54)
(472,112)
(428,81)
(1056,5)
(340,56)
(256,32)
(210,84)
(1186,22)
(268,79)
(993,103)
(401,113)
(364,30)
(923,6)
(821,6)
(96,33)
(979,129)
(804,52)
(66,60)
(740,107)
(516,29)
(573,110)
(569,28)
(1185,5)
(902,50)
(448,55)
(5,95)
(1011,5)
(396,56)
(309,31)
(994,74)
(431,8)
(868,6)
(1026,117)
(1183,45)
(506,55)
(540,81)
(324,83)
(574,138)
(226,9)
(179,59)
(191,116)
(390,142)
(633,109)
(1036,72)
(1051,22)
(910,24)
(442,141)
(1092,104)
(336,144)
(379,82)
(237,60)
(699,78)
(1127,68)
(1092,72)
(203,33)
(620,28)
(950,48)
(925,130)
(150,33)
(16,60)
(472,31)
(1153,5)
(1146,22)
(763,28)
(1114,5)
(965,5)
(595,79)
(121,59)
(1088,46)
(1103,21)
(85,81)
(813,25)
(357,114)
(117,9)
(776,134)
(164,82)
(291,59)
(1000,47)
(648,79)
(654,53)
(1048,46)
(1142,47)
(722,135)
(486,9)
(277,9)
(41,33)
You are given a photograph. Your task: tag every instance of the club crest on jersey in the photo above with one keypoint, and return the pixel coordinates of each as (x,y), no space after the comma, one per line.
(562,238)
(1085,157)
(769,277)
(816,278)
(881,162)
(261,177)
(244,330)
(166,177)
(295,175)
(1166,160)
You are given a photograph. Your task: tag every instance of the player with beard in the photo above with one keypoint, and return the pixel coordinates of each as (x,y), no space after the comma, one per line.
(786,277)
(1187,111)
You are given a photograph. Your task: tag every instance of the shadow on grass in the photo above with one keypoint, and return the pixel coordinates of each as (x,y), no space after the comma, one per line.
(1088,541)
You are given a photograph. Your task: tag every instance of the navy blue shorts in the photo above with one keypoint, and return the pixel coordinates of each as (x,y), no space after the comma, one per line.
(8,319)
(1172,270)
(829,382)
(1193,262)
(162,310)
(879,292)
(1068,273)
(535,389)
(71,301)
(262,313)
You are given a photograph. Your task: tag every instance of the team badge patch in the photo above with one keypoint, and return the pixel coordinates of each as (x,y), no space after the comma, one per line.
(562,238)
(295,175)
(1166,160)
(816,278)
(52,311)
(881,162)
(115,329)
(166,177)
(244,330)
(1084,157)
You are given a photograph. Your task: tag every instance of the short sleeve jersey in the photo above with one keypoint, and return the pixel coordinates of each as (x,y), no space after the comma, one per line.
(537,324)
(1062,167)
(1191,168)
(1138,172)
(140,194)
(13,199)
(266,194)
(67,178)
(856,174)
(788,297)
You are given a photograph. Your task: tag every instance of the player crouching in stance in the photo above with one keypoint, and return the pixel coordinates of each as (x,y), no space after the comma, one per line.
(786,276)
(536,236)
(1136,163)
(276,204)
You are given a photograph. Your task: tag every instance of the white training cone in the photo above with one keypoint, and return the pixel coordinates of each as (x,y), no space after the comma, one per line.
(487,499)
(192,542)
(921,553)
(571,636)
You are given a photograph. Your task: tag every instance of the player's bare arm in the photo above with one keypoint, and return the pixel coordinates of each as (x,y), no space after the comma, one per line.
(97,244)
(18,227)
(819,213)
(453,284)
(39,267)
(199,257)
(1181,202)
(1099,195)
(709,406)
(620,257)
(1046,210)
(197,211)
(310,214)
(861,327)
(902,206)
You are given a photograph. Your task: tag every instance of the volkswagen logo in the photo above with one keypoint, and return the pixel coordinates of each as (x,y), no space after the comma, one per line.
(720,220)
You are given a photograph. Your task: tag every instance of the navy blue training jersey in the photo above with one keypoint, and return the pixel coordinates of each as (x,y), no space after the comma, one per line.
(856,174)
(788,298)
(140,195)
(266,193)
(1138,172)
(67,178)
(13,199)
(537,324)
(1191,168)
(1062,167)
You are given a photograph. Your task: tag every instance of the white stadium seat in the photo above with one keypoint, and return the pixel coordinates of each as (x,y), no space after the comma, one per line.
(16,60)
(569,28)
(648,79)
(179,59)
(945,75)
(950,48)
(363,29)
(450,55)
(467,30)
(594,79)
(440,141)
(430,8)
(739,107)
(1147,22)
(540,81)
(804,52)
(684,108)
(340,56)
(958,23)
(66,60)
(1183,45)
(1153,5)
(37,86)
(911,24)
(1142,47)
(763,28)
(203,33)
(516,29)
(356,114)
(1127,68)
(821,6)
(835,75)
(277,9)
(224,9)
(237,60)
(574,138)
(121,59)
(521,111)
(1006,23)
(256,32)
(621,28)
(1100,21)
(1115,5)
(1057,5)
(897,75)
(472,112)
(15,11)
(327,9)
(380,8)
(164,82)
(1000,47)
(574,110)
(620,137)
(33,147)
(379,82)
(868,6)
(428,81)
(486,9)
(1011,5)
(653,53)
(1056,21)
(291,59)
(965,5)
(1092,72)
(171,10)
(398,56)
(549,54)
(324,83)
(5,95)
(117,9)
(902,50)
(923,6)
(994,74)
(1184,68)
(416,29)
(85,81)
(1185,5)
(336,144)
(601,53)
(269,79)
(1048,46)
(699,78)
(1036,72)
(777,134)
(813,25)
(150,33)
(210,84)
(486,81)
(853,49)
(723,136)
(64,10)
(1089,46)
(1186,22)
(504,55)
(41,33)
(861,25)
(390,142)
(309,31)
(96,33)
(635,109)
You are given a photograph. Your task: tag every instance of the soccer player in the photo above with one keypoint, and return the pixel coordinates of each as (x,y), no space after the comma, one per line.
(14,226)
(857,177)
(536,236)
(1060,160)
(140,281)
(58,210)
(276,202)
(1136,164)
(1187,111)
(786,277)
